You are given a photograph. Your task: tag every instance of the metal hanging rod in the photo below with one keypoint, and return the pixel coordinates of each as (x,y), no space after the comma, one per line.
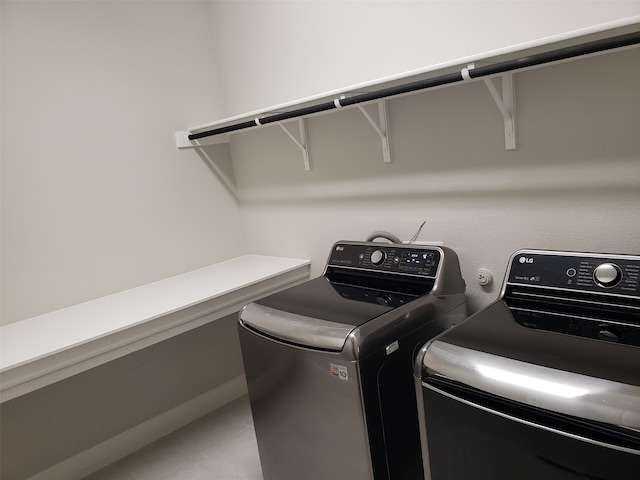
(595,46)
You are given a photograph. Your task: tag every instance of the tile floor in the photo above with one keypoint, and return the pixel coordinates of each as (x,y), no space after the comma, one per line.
(221,445)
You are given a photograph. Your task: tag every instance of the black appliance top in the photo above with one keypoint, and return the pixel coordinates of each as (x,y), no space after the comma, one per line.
(361,281)
(573,311)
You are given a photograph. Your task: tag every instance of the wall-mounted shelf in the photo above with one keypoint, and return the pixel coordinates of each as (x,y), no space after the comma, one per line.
(497,64)
(48,348)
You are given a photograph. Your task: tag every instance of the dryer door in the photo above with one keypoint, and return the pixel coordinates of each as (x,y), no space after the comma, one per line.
(474,435)
(487,416)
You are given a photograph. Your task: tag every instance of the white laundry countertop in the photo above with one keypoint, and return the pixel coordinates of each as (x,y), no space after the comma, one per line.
(90,333)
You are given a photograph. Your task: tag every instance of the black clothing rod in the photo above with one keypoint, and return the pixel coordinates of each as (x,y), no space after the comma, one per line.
(496,68)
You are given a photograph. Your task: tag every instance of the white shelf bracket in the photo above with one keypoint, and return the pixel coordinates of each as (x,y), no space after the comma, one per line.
(382,129)
(507,105)
(302,144)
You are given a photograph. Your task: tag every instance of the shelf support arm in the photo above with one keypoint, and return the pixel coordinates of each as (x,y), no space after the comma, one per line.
(506,104)
(302,144)
(382,129)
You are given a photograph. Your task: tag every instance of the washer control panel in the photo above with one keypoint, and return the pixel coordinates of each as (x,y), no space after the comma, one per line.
(387,258)
(619,274)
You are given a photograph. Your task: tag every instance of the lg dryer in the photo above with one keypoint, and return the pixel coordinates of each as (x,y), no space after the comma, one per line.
(545,382)
(329,362)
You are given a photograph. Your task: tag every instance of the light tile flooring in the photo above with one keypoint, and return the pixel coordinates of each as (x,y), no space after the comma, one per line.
(221,445)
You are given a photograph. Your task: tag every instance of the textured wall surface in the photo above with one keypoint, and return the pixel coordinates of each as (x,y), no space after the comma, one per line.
(95,196)
(573,183)
(97,199)
(273,52)
(47,426)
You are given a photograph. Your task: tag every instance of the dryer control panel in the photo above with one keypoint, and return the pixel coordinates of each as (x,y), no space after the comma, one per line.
(583,294)
(414,260)
(587,272)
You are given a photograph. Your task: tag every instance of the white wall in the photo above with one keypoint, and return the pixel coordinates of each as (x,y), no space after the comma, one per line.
(95,196)
(97,199)
(573,183)
(273,52)
(46,427)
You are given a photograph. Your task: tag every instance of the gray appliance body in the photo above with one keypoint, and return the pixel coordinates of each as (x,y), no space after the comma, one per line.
(544,382)
(329,362)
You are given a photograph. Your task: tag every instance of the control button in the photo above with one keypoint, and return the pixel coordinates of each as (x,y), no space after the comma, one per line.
(605,332)
(607,275)
(378,257)
(571,272)
(392,347)
(383,299)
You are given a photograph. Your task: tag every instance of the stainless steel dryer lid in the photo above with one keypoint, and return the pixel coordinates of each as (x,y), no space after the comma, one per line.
(556,390)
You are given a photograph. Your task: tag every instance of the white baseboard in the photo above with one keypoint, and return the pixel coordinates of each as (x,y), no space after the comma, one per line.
(123,444)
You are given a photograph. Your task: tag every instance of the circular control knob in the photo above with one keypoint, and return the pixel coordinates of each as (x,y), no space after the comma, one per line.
(607,275)
(378,257)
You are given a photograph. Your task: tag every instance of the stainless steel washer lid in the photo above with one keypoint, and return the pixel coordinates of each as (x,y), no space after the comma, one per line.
(316,313)
(298,329)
